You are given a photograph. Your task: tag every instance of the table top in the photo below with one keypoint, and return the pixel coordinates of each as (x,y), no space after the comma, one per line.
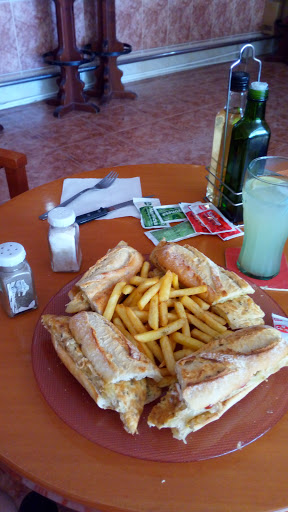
(37,444)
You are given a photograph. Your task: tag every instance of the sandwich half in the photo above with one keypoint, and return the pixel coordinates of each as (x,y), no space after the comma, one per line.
(93,290)
(195,269)
(240,312)
(113,371)
(212,380)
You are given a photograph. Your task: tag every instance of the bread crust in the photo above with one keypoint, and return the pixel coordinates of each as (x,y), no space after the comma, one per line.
(127,397)
(244,353)
(120,263)
(240,312)
(196,269)
(212,380)
(113,356)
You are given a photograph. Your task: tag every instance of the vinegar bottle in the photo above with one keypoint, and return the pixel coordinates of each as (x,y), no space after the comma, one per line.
(237,102)
(249,139)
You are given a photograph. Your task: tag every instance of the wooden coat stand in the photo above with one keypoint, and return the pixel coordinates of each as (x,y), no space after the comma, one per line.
(69,58)
(108,48)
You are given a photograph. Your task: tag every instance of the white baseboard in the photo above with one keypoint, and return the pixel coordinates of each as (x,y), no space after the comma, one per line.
(28,88)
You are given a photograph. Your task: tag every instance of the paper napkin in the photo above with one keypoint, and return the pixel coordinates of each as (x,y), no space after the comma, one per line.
(279,282)
(123,189)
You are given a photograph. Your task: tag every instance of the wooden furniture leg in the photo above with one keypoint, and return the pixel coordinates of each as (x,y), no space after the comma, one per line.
(14,164)
(69,58)
(108,48)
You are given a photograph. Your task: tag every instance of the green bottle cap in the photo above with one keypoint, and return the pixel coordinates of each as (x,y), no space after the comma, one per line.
(258,91)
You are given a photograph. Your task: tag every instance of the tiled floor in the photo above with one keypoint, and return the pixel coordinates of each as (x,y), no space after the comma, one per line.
(170,121)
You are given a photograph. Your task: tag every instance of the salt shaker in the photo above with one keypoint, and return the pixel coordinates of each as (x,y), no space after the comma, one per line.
(63,239)
(17,289)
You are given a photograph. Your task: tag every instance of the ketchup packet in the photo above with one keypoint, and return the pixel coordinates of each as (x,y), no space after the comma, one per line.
(231,234)
(212,218)
(195,222)
(281,324)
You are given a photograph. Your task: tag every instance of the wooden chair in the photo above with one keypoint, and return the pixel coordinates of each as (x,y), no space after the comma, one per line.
(14,164)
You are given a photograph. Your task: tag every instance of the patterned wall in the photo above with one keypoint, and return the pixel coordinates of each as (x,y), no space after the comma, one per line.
(28,27)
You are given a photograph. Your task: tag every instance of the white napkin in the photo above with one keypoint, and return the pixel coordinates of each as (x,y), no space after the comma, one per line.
(121,190)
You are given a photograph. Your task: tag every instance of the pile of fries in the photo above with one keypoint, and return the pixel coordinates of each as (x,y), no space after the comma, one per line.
(164,320)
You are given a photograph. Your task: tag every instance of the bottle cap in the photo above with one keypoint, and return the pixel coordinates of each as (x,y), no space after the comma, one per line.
(258,91)
(61,217)
(239,81)
(11,254)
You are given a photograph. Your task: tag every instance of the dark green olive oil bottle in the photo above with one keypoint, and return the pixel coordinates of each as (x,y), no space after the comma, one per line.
(249,139)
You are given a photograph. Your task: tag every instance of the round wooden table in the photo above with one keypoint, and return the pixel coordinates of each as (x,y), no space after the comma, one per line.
(36,444)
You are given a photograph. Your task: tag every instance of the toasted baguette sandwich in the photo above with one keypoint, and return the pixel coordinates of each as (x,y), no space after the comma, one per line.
(240,312)
(195,269)
(92,291)
(212,380)
(111,369)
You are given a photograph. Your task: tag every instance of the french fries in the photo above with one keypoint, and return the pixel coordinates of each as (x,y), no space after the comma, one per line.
(164,320)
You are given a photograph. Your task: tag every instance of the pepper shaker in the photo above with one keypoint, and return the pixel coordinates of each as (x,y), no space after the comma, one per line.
(63,239)
(17,289)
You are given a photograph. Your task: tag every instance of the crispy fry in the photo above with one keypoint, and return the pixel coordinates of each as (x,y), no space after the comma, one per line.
(213,323)
(155,349)
(148,295)
(170,303)
(136,280)
(173,343)
(199,335)
(179,354)
(153,315)
(113,299)
(168,354)
(217,318)
(119,324)
(143,315)
(141,346)
(145,269)
(172,316)
(131,297)
(201,302)
(165,286)
(128,289)
(162,331)
(135,320)
(194,320)
(203,315)
(180,310)
(163,314)
(188,291)
(122,312)
(187,341)
(175,281)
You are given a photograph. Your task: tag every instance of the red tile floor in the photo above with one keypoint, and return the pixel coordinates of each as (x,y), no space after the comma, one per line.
(171,120)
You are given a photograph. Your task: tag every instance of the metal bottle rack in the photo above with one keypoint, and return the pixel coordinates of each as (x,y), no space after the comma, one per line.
(218,183)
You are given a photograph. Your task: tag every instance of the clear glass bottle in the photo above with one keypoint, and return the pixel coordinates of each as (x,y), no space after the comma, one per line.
(17,289)
(237,102)
(249,139)
(63,240)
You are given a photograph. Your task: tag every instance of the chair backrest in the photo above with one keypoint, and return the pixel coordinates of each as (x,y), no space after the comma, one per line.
(14,164)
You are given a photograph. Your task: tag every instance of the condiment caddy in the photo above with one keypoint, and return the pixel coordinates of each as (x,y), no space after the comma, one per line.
(240,135)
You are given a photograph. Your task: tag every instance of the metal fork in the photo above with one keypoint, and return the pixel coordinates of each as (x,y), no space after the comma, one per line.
(104,183)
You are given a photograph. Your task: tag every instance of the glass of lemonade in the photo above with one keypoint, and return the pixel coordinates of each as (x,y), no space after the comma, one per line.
(265,209)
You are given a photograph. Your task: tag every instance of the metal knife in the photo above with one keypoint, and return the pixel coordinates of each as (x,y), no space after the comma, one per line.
(101,212)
